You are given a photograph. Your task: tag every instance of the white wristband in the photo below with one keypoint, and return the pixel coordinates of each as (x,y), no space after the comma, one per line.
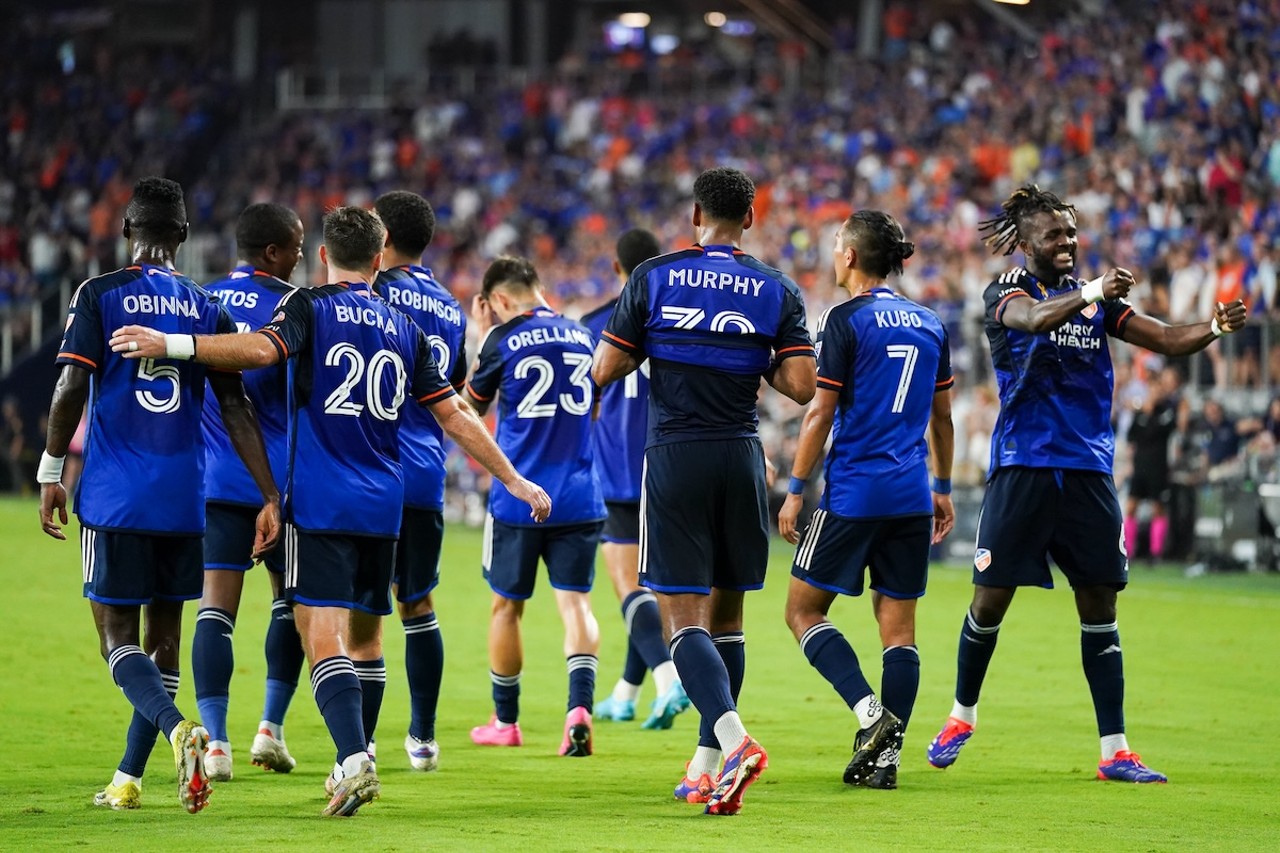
(1217,330)
(50,470)
(181,347)
(1092,291)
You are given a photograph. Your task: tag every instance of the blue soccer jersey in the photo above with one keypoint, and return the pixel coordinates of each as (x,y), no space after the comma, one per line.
(622,423)
(354,361)
(143,455)
(540,365)
(250,297)
(710,320)
(886,357)
(415,291)
(1055,387)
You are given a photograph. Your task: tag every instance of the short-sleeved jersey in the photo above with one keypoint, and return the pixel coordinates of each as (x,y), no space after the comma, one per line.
(710,320)
(885,356)
(622,425)
(1055,387)
(353,361)
(540,365)
(415,291)
(144,455)
(250,297)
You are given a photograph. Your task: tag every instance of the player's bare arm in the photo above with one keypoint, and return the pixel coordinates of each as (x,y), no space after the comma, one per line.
(612,363)
(814,430)
(794,377)
(942,444)
(1030,315)
(241,351)
(69,397)
(465,427)
(241,421)
(1150,333)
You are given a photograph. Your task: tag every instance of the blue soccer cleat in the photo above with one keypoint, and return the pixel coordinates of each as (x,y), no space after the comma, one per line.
(945,748)
(665,707)
(615,710)
(1128,767)
(743,767)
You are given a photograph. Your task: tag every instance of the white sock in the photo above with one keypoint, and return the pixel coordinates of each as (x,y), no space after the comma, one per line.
(706,759)
(220,744)
(121,778)
(664,676)
(868,710)
(1111,744)
(730,731)
(499,725)
(352,763)
(625,691)
(277,731)
(965,713)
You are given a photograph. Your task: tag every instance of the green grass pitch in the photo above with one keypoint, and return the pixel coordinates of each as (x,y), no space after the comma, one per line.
(1202,692)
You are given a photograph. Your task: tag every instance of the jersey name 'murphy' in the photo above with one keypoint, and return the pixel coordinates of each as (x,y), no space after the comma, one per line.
(146,303)
(422,302)
(548,335)
(743,285)
(1078,335)
(364,317)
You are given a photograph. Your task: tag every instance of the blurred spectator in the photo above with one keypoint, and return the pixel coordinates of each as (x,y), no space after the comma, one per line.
(13,440)
(1154,421)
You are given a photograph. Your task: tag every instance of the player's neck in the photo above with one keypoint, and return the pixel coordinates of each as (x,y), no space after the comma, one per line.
(153,254)
(1050,278)
(860,283)
(337,275)
(524,306)
(392,259)
(719,234)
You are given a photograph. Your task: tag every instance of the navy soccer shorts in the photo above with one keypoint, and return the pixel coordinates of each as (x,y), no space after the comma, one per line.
(338,570)
(834,552)
(704,517)
(418,553)
(510,554)
(228,539)
(136,568)
(622,524)
(1032,514)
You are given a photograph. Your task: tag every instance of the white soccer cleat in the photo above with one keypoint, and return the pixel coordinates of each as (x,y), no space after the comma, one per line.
(217,761)
(424,755)
(270,753)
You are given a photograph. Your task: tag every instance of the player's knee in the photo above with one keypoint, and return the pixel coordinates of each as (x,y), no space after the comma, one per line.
(801,617)
(506,608)
(413,609)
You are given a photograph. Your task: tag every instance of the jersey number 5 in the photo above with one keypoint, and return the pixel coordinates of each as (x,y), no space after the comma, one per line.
(532,405)
(149,371)
(908,354)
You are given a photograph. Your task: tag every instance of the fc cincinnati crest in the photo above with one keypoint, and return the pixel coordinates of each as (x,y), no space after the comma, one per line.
(1090,310)
(981,559)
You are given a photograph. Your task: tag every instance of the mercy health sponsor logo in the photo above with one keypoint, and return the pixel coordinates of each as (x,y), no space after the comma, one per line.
(1079,335)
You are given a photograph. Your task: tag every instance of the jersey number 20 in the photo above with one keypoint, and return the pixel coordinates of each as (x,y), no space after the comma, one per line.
(339,402)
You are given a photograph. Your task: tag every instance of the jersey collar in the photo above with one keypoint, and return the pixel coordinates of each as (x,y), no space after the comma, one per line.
(361,287)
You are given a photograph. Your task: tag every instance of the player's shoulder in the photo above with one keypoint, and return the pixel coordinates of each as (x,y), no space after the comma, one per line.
(667,259)
(1014,280)
(99,284)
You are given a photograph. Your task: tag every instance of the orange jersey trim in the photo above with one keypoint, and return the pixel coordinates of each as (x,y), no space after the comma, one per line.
(472,391)
(279,341)
(72,355)
(805,348)
(833,383)
(1001,304)
(625,344)
(448,389)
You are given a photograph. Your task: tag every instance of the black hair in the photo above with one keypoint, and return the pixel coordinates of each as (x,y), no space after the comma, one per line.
(157,210)
(1005,230)
(635,247)
(879,241)
(262,225)
(724,194)
(508,271)
(353,236)
(409,219)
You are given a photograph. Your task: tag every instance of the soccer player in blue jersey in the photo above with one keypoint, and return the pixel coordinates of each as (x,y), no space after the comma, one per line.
(1050,491)
(884,383)
(141,496)
(269,243)
(539,364)
(353,360)
(409,286)
(619,435)
(712,321)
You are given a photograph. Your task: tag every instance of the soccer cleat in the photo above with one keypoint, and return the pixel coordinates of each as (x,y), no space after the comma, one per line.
(884,734)
(695,790)
(885,773)
(615,710)
(331,781)
(491,735)
(270,753)
(119,797)
(743,766)
(945,748)
(577,733)
(424,755)
(217,761)
(664,709)
(190,740)
(1128,767)
(353,792)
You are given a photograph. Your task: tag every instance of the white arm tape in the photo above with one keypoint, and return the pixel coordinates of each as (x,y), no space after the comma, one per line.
(50,470)
(1217,330)
(181,347)
(1092,291)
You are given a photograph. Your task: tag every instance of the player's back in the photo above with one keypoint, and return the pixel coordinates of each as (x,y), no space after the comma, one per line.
(415,291)
(250,297)
(621,424)
(540,365)
(886,357)
(143,458)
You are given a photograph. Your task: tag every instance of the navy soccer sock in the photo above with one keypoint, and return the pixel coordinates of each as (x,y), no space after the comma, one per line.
(285,657)
(373,684)
(900,681)
(834,659)
(424,663)
(633,668)
(141,738)
(977,645)
(144,687)
(705,678)
(582,680)
(644,628)
(506,697)
(732,647)
(212,662)
(1104,670)
(337,691)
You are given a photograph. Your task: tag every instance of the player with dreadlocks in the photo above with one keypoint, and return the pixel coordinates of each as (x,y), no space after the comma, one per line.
(1050,492)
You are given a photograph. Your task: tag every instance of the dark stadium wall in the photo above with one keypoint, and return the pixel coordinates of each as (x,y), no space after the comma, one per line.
(31,382)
